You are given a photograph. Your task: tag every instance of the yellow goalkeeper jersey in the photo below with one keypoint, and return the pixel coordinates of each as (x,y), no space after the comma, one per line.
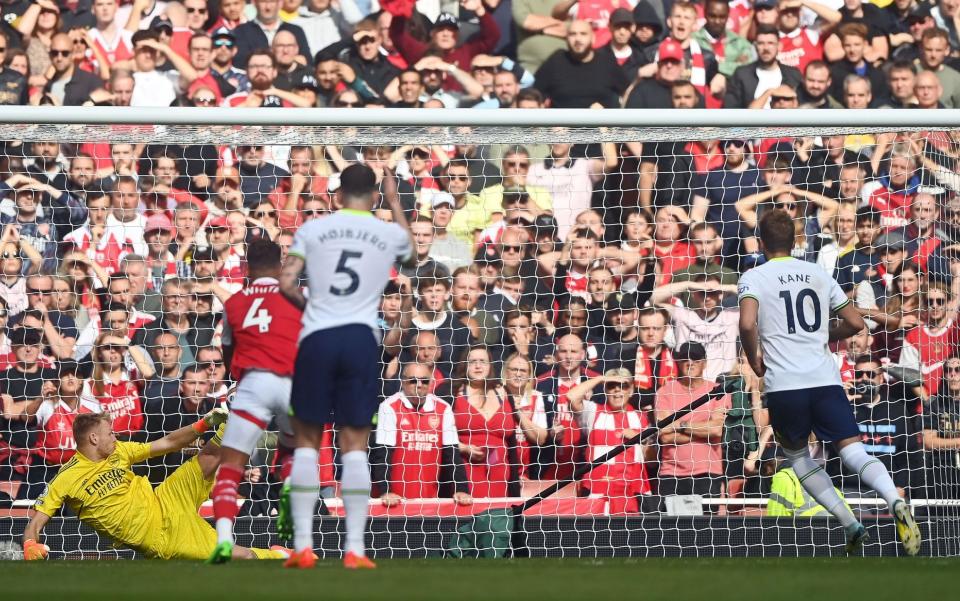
(107,495)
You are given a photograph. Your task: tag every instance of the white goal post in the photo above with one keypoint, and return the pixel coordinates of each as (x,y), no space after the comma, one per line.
(639,187)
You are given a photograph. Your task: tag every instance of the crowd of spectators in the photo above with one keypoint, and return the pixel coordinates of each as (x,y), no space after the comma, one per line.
(565,297)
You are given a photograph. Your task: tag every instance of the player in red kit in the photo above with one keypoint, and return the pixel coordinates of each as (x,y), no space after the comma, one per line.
(260,332)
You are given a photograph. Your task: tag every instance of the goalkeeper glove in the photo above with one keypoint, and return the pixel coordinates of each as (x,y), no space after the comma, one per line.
(211,420)
(32,550)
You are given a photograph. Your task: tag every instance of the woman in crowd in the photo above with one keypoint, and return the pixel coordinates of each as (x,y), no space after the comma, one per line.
(899,313)
(265,217)
(114,385)
(84,277)
(607,421)
(86,319)
(485,424)
(526,403)
(844,238)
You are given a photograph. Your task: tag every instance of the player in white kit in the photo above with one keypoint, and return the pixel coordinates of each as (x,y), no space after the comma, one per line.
(785,310)
(347,258)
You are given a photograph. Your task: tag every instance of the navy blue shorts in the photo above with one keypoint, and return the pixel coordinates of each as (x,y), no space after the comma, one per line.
(824,410)
(336,377)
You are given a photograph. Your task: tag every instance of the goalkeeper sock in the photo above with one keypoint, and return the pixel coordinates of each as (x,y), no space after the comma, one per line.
(871,471)
(355,492)
(818,485)
(225,500)
(304,492)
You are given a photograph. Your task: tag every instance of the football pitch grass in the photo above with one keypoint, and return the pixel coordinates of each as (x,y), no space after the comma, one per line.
(492,580)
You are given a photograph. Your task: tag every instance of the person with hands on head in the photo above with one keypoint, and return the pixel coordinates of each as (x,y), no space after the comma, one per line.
(99,486)
(416,454)
(608,420)
(786,344)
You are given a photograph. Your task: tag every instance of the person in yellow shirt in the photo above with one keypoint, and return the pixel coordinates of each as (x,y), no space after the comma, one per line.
(98,485)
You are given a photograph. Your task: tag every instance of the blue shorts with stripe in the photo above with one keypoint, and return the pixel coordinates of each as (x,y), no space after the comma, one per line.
(824,410)
(336,377)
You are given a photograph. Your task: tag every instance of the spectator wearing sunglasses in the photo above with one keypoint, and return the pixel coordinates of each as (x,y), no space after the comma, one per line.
(927,347)
(367,58)
(221,66)
(70,85)
(887,426)
(416,453)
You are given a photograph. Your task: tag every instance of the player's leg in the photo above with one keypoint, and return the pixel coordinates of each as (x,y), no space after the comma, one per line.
(259,396)
(354,407)
(792,415)
(874,474)
(311,404)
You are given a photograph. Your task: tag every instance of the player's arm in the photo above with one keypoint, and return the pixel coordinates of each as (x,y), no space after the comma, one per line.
(750,334)
(392,198)
(850,322)
(290,281)
(187,435)
(31,548)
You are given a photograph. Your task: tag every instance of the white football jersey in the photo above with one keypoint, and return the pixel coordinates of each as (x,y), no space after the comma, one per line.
(348,258)
(796,300)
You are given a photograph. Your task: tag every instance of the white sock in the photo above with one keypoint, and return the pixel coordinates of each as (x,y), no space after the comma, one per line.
(819,486)
(355,492)
(304,492)
(224,530)
(871,470)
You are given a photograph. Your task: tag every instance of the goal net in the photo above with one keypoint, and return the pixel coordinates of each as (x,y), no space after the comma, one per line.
(576,281)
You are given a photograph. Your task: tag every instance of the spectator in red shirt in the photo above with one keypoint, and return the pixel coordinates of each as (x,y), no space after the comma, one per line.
(444,39)
(608,420)
(113,386)
(485,425)
(529,411)
(416,453)
(55,444)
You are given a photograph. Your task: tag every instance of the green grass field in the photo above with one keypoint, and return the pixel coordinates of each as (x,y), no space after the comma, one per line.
(491,580)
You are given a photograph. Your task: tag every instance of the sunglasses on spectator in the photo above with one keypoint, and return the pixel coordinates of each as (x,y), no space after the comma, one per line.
(864,373)
(205,101)
(195,10)
(56,52)
(314,212)
(38,291)
(347,103)
(262,214)
(789,206)
(952,369)
(936,301)
(114,347)
(209,364)
(782,98)
(417,381)
(367,39)
(222,44)
(511,248)
(458,178)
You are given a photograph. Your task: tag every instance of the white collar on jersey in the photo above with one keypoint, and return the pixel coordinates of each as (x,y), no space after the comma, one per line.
(264,282)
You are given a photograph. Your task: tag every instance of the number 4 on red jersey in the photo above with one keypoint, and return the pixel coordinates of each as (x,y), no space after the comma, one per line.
(263,327)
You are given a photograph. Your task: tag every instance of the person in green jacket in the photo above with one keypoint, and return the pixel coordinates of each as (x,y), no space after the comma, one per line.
(732,50)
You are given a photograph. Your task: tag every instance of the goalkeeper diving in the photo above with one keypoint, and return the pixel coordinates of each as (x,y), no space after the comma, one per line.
(100,488)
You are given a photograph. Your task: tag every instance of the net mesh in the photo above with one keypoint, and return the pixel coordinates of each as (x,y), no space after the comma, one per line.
(547,257)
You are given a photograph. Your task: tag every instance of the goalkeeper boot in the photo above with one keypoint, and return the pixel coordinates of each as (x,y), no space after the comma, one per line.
(302,559)
(222,553)
(284,514)
(856,536)
(352,561)
(907,529)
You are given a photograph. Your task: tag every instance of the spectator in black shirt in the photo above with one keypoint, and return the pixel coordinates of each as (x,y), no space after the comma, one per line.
(853,37)
(578,77)
(367,59)
(743,84)
(23,386)
(191,404)
(13,85)
(941,436)
(878,23)
(655,93)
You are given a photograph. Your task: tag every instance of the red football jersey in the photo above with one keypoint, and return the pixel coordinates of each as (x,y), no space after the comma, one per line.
(263,327)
